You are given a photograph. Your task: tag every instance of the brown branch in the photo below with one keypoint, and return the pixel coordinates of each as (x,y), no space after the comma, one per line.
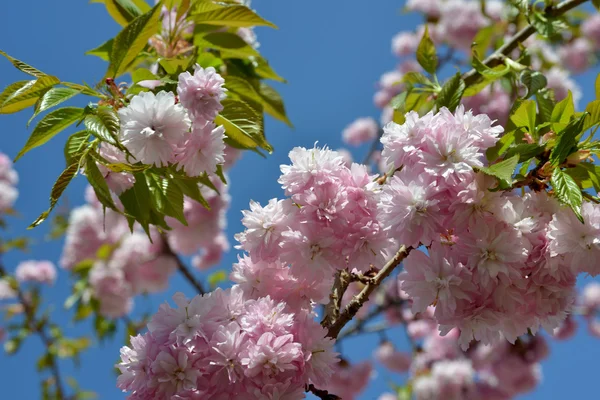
(322,394)
(167,250)
(37,327)
(498,56)
(374,145)
(357,302)
(332,309)
(359,325)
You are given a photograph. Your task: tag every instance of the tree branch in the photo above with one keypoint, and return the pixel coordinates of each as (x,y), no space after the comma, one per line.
(167,250)
(37,327)
(322,394)
(498,56)
(332,309)
(357,302)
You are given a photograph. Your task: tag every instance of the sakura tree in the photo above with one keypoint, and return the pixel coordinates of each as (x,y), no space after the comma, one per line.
(467,224)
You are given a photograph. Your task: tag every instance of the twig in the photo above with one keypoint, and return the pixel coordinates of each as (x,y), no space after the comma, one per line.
(38,328)
(359,326)
(322,394)
(374,146)
(357,302)
(498,56)
(332,309)
(182,267)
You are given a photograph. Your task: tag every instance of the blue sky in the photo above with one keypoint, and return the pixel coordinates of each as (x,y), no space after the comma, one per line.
(332,53)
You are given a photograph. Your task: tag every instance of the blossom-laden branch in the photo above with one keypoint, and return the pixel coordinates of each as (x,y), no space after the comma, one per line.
(185,271)
(499,55)
(357,302)
(38,326)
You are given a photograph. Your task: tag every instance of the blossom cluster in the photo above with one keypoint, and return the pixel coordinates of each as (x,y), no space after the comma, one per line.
(224,345)
(126,263)
(453,24)
(160,130)
(8,180)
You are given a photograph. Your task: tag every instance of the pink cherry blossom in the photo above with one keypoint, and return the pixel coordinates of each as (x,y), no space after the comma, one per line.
(201,93)
(36,271)
(360,131)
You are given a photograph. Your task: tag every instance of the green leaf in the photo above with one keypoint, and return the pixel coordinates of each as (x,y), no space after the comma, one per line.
(503,170)
(142,74)
(14,87)
(524,116)
(50,125)
(190,188)
(166,197)
(533,81)
(564,110)
(75,145)
(216,277)
(122,11)
(132,40)
(416,78)
(104,124)
(98,183)
(21,66)
(136,201)
(44,362)
(549,27)
(597,84)
(490,74)
(521,5)
(501,146)
(482,41)
(566,143)
(235,16)
(57,190)
(26,95)
(273,103)
(593,118)
(546,104)
(596,4)
(567,191)
(586,174)
(426,55)
(103,51)
(243,125)
(230,44)
(264,70)
(525,151)
(451,93)
(52,98)
(173,66)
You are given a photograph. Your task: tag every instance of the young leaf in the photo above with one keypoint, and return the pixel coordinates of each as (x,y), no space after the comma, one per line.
(11,89)
(136,201)
(122,11)
(103,51)
(132,40)
(52,98)
(426,55)
(597,85)
(190,188)
(451,93)
(564,110)
(50,125)
(57,190)
(273,103)
(566,142)
(243,125)
(104,124)
(567,191)
(75,145)
(533,81)
(98,183)
(490,74)
(27,95)
(482,41)
(235,16)
(503,170)
(546,104)
(21,66)
(216,277)
(593,118)
(166,197)
(230,44)
(264,70)
(525,115)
